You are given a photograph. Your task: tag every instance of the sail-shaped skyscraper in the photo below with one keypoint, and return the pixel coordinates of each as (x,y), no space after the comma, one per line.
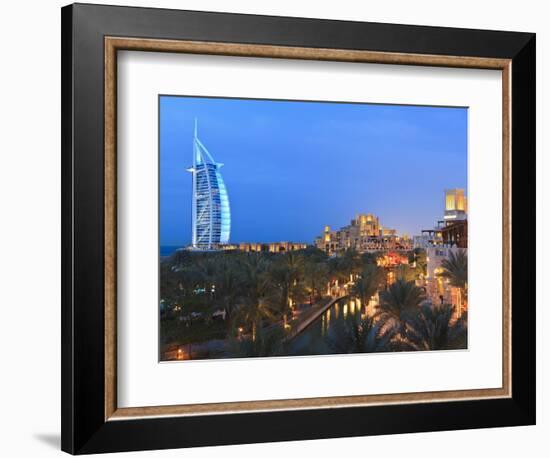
(211,216)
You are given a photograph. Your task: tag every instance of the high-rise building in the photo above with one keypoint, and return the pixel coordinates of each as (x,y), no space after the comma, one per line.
(211,216)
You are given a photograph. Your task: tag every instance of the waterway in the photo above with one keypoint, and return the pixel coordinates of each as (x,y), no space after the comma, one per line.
(321,337)
(324,336)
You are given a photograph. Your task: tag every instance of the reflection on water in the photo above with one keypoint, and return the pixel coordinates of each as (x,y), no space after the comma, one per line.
(316,339)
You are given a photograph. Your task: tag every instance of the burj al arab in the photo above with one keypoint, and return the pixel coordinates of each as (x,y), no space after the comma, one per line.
(211,216)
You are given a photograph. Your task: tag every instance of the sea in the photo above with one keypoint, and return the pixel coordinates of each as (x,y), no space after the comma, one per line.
(167,250)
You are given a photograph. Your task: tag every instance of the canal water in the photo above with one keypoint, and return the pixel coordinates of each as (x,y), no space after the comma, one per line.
(321,337)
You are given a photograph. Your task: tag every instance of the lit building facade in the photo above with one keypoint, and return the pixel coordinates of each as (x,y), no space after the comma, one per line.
(455,204)
(211,215)
(455,234)
(453,229)
(450,235)
(438,287)
(421,241)
(364,234)
(270,247)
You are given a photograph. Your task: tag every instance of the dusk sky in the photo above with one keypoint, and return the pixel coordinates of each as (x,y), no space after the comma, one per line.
(293,167)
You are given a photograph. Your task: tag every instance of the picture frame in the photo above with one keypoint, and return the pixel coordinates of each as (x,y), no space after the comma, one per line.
(92,37)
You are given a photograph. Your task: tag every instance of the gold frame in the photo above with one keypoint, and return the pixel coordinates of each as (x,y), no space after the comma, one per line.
(112,45)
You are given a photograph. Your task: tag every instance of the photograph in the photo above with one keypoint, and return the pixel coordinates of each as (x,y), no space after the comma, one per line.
(275,226)
(297,228)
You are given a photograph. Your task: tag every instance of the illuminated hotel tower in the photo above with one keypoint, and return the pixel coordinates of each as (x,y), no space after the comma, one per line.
(211,217)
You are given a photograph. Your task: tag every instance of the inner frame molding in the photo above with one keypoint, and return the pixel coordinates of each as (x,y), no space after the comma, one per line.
(114,44)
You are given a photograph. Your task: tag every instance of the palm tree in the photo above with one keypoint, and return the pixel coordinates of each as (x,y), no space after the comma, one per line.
(268,342)
(227,280)
(455,268)
(254,311)
(368,283)
(336,270)
(419,258)
(178,282)
(344,265)
(316,276)
(401,301)
(170,286)
(356,335)
(369,258)
(257,303)
(351,261)
(434,329)
(405,272)
(286,273)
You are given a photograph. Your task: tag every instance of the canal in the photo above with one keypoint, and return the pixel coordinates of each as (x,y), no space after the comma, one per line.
(321,337)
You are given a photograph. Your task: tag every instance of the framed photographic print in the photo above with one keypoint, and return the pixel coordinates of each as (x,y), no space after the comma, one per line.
(282,228)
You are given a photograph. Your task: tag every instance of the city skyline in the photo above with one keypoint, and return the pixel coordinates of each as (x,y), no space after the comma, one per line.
(294,167)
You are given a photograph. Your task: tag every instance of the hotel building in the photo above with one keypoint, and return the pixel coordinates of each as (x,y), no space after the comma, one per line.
(453,229)
(449,236)
(211,216)
(438,287)
(364,234)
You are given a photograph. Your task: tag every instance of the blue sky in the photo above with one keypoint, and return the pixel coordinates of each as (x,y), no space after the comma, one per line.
(293,167)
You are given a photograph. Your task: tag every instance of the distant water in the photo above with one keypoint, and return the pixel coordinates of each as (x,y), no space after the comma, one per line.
(167,250)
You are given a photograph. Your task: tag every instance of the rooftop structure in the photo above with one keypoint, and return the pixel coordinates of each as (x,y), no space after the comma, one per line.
(455,204)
